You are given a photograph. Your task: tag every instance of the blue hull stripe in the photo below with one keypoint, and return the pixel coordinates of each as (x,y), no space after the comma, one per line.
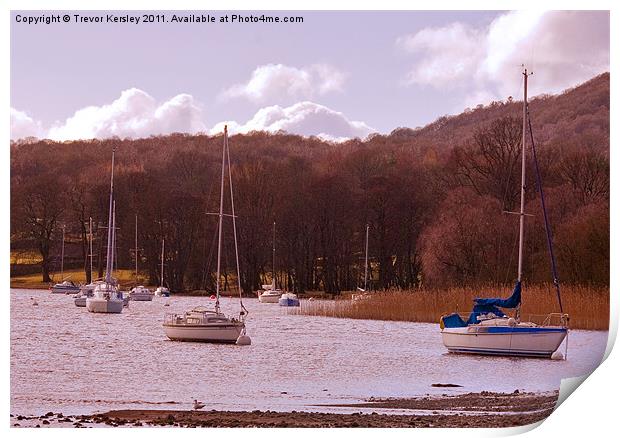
(525,330)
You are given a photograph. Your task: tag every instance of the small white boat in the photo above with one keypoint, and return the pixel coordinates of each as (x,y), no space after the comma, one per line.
(85,291)
(269,295)
(488,330)
(66,287)
(506,337)
(107,298)
(162,291)
(288,299)
(141,293)
(363,294)
(202,324)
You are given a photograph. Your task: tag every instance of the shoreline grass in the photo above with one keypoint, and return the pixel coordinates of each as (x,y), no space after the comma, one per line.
(587,306)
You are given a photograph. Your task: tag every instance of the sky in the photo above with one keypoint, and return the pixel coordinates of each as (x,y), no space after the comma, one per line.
(337,75)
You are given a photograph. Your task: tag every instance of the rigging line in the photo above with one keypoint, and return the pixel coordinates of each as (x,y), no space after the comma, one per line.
(554,270)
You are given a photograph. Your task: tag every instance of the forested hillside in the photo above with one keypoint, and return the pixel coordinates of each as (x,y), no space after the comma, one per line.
(434,198)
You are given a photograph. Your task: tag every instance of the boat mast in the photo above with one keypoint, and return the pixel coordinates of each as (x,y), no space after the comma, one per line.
(108,276)
(522,210)
(90,243)
(136,253)
(273,260)
(113,237)
(161,277)
(366,260)
(219,230)
(62,255)
(234,221)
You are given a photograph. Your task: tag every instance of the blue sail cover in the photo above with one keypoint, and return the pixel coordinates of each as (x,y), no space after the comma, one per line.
(483,306)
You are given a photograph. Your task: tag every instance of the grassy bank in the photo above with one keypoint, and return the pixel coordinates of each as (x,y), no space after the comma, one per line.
(587,306)
(125,277)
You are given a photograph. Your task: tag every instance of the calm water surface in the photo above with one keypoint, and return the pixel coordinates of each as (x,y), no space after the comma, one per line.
(65,359)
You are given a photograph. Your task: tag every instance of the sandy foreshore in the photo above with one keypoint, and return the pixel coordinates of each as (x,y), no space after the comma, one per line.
(485,409)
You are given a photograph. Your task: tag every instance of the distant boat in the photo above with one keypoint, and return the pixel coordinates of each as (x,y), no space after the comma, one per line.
(162,291)
(106,296)
(363,295)
(139,293)
(488,330)
(211,324)
(87,290)
(270,293)
(288,299)
(66,286)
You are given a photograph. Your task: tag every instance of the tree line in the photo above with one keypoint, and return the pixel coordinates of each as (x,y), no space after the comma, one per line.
(437,215)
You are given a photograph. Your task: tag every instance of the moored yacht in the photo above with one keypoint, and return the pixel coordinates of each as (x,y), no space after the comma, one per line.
(86,291)
(66,287)
(288,299)
(141,293)
(488,330)
(107,298)
(270,293)
(212,325)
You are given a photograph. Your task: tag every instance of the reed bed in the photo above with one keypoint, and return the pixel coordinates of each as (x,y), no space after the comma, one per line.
(587,306)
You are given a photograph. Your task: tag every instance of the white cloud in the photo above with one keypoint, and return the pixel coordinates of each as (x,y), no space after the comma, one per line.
(449,53)
(278,81)
(134,114)
(22,125)
(303,118)
(563,48)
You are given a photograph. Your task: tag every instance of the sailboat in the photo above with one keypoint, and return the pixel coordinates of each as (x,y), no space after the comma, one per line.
(106,296)
(488,330)
(203,324)
(88,289)
(139,292)
(66,286)
(363,291)
(162,291)
(270,293)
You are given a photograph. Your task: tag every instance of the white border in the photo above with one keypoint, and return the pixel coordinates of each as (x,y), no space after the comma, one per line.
(592,410)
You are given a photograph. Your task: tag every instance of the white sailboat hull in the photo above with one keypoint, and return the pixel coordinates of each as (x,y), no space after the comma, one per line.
(102,305)
(142,297)
(504,341)
(216,333)
(80,302)
(267,297)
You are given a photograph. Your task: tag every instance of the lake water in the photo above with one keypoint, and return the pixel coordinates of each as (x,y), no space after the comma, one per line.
(65,359)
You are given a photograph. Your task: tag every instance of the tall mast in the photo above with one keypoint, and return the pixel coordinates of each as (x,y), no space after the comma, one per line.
(366,260)
(234,221)
(90,244)
(161,277)
(273,260)
(108,276)
(219,230)
(522,210)
(113,237)
(62,255)
(136,253)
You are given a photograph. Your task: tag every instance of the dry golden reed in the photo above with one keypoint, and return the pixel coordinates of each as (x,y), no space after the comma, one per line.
(587,306)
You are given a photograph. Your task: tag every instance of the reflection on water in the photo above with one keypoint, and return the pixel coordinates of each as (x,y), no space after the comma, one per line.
(66,359)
